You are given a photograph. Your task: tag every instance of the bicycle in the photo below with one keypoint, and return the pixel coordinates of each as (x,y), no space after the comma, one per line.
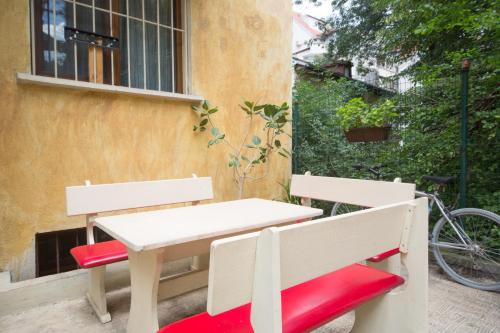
(465,242)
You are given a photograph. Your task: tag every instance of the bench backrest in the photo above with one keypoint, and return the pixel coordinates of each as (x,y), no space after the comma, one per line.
(346,190)
(256,267)
(91,199)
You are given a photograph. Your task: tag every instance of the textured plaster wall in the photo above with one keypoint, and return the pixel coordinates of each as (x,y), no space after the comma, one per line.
(54,137)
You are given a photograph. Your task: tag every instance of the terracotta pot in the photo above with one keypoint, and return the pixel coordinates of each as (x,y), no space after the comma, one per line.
(368,134)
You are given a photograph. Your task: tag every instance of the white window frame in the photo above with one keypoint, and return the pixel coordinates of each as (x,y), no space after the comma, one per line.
(32,78)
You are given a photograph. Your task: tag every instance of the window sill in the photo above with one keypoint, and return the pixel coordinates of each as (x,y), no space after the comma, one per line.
(26,78)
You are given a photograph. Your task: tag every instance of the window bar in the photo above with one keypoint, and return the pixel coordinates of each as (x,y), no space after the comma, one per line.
(172,56)
(158,41)
(184,35)
(128,44)
(144,45)
(95,47)
(75,48)
(54,36)
(32,36)
(112,50)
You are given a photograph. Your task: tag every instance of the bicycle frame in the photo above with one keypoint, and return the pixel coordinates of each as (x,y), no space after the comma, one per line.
(464,238)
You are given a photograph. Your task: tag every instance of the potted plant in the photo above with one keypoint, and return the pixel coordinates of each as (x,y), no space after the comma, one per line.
(365,123)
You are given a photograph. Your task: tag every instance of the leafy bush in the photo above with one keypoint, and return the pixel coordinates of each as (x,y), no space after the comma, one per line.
(425,137)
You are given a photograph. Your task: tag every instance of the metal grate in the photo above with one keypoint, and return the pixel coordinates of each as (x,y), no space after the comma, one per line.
(52,249)
(132,43)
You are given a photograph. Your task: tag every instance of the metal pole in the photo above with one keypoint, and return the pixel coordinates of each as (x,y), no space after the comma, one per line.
(463,132)
(295,138)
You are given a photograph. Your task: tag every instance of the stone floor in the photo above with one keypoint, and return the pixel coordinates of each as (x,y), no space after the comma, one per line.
(452,308)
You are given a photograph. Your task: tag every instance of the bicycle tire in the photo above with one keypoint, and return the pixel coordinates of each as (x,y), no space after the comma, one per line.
(340,208)
(456,265)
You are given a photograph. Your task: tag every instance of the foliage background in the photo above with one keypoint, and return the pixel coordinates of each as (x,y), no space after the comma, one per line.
(433,37)
(425,138)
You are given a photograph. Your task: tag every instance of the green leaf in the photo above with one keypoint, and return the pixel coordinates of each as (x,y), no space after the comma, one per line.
(256,140)
(214,110)
(203,122)
(249,105)
(215,132)
(205,105)
(285,156)
(202,129)
(277,143)
(195,128)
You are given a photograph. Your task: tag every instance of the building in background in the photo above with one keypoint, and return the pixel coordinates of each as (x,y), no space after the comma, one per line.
(309,50)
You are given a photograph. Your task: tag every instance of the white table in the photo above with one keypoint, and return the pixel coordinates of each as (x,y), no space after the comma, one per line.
(163,235)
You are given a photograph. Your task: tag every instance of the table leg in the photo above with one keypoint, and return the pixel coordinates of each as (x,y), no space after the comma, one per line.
(145,269)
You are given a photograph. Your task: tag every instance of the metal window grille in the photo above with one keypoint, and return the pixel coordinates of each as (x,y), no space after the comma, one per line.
(58,52)
(52,249)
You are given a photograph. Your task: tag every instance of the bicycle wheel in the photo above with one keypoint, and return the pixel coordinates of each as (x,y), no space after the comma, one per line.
(476,263)
(340,208)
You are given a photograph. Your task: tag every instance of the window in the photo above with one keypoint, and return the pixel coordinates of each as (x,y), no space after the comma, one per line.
(52,249)
(130,43)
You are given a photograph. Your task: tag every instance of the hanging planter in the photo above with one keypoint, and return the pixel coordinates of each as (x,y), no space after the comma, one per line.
(364,123)
(368,134)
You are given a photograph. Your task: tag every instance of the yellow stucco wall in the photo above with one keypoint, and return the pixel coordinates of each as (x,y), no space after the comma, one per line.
(54,137)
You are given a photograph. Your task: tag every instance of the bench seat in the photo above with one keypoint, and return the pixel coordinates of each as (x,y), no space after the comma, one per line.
(305,306)
(98,254)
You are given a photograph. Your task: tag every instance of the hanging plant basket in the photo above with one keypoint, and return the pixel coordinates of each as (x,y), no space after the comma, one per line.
(368,134)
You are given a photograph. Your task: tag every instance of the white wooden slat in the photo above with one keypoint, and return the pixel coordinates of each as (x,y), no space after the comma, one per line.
(230,277)
(308,250)
(331,243)
(109,197)
(368,193)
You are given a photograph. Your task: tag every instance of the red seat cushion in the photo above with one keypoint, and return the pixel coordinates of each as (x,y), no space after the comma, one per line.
(385,255)
(98,254)
(305,306)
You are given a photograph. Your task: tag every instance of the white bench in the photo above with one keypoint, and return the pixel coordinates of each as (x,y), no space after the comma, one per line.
(299,277)
(89,200)
(360,192)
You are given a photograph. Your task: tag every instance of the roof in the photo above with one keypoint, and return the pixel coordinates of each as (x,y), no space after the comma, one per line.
(299,18)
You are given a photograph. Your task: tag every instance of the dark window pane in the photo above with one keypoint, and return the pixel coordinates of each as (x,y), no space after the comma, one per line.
(102,4)
(120,56)
(83,22)
(166,12)
(82,56)
(166,59)
(46,254)
(135,8)
(87,2)
(119,6)
(84,18)
(136,54)
(65,49)
(102,26)
(44,43)
(178,63)
(150,10)
(177,14)
(151,56)
(67,241)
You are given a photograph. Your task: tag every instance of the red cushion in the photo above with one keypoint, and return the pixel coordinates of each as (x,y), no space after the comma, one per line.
(98,254)
(384,255)
(305,306)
